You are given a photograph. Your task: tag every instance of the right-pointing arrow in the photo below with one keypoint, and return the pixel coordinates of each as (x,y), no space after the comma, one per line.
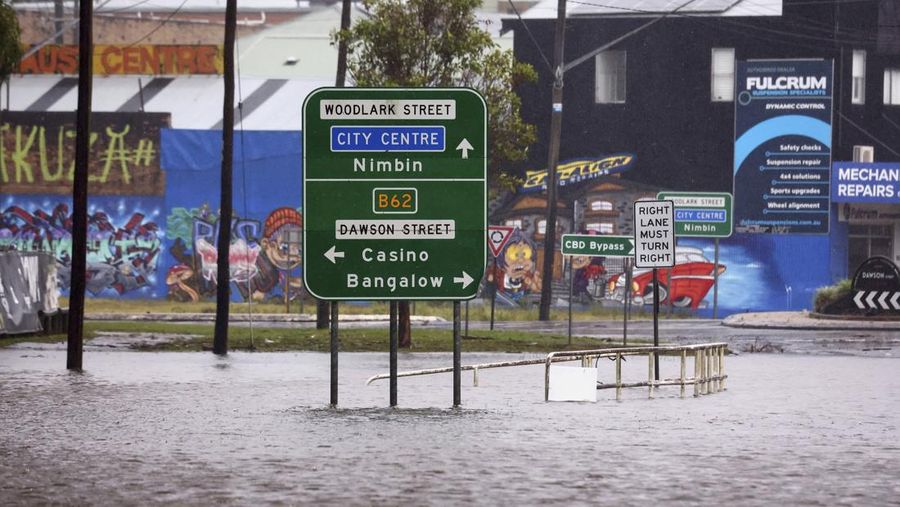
(465,279)
(858,299)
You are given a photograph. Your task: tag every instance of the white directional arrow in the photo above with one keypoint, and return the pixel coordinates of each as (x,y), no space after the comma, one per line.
(894,301)
(332,255)
(858,300)
(871,299)
(883,300)
(465,279)
(465,146)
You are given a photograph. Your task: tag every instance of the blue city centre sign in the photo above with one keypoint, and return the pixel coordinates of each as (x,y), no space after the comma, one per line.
(782,147)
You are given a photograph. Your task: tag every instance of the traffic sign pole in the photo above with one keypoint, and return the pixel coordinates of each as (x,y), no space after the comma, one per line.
(626,303)
(598,246)
(656,322)
(334,354)
(457,356)
(716,280)
(395,338)
(493,293)
(654,238)
(571,287)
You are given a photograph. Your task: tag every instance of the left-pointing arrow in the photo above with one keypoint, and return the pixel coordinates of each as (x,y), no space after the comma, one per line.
(883,300)
(333,255)
(465,279)
(870,300)
(858,299)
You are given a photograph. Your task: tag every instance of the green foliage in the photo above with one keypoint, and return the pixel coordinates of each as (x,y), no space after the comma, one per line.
(825,296)
(439,43)
(10,47)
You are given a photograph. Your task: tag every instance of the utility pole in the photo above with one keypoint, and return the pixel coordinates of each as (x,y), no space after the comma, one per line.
(75,346)
(560,68)
(223,275)
(552,162)
(58,13)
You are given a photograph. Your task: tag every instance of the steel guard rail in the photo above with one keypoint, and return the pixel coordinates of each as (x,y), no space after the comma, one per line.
(709,366)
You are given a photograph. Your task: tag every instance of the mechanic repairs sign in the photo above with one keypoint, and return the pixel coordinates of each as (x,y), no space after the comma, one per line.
(865,182)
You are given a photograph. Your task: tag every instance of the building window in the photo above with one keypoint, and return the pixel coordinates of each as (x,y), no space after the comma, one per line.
(542,227)
(864,241)
(610,84)
(601,227)
(722,74)
(513,223)
(892,87)
(601,206)
(859,78)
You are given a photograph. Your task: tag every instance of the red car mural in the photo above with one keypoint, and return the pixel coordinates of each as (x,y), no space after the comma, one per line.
(692,277)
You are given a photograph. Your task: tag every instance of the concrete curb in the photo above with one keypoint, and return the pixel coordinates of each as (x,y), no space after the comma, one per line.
(804,321)
(256,317)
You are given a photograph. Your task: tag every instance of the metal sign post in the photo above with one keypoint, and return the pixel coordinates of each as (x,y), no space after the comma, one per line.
(334,353)
(498,237)
(457,357)
(626,304)
(395,339)
(654,239)
(598,246)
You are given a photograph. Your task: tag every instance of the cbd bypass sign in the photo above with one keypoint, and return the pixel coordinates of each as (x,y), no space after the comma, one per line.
(597,246)
(395,193)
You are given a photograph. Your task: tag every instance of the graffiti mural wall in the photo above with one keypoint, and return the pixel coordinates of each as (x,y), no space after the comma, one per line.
(124,239)
(153,206)
(154,223)
(755,271)
(267,222)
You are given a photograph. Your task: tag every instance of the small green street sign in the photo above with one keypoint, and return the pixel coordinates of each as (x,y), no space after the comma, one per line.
(597,246)
(394,193)
(701,214)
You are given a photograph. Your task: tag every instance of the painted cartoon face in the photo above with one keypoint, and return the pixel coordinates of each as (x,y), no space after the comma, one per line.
(518,259)
(282,254)
(580,261)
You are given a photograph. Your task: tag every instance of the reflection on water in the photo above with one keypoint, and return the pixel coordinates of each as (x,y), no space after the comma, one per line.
(196,429)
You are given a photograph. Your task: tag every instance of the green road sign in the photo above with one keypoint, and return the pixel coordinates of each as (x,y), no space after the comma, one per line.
(395,193)
(701,214)
(597,246)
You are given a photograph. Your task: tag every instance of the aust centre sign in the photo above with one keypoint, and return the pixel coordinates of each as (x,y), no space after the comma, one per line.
(395,193)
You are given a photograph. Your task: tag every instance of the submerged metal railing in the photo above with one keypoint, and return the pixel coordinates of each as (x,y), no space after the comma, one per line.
(467,367)
(709,367)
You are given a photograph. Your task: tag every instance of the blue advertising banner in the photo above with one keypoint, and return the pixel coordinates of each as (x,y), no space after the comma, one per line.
(782,147)
(865,182)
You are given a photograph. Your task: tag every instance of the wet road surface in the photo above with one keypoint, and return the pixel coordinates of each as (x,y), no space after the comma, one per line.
(191,428)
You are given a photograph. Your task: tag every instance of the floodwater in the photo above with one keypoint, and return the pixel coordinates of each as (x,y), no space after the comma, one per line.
(191,428)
